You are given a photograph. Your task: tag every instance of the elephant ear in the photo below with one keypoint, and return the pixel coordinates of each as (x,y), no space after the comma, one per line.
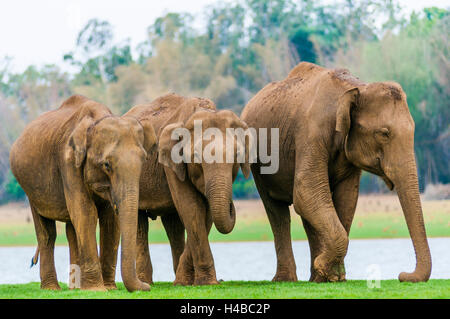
(150,143)
(166,144)
(346,102)
(233,121)
(78,140)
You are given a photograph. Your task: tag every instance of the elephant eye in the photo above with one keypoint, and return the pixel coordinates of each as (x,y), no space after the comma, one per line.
(384,131)
(382,135)
(106,166)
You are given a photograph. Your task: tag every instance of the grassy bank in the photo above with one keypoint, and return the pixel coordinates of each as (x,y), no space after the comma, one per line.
(376,217)
(237,289)
(380,225)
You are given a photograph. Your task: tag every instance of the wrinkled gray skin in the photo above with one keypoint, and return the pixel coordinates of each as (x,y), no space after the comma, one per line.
(332,126)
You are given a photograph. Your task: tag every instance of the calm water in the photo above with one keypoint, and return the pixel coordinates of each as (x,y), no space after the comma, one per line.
(253,260)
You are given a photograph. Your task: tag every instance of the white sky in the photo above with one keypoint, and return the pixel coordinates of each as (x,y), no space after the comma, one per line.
(40,32)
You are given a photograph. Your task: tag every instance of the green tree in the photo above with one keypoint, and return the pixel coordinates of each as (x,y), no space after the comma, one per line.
(12,188)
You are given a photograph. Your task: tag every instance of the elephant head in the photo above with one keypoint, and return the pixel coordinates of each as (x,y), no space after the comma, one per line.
(377,133)
(111,152)
(210,163)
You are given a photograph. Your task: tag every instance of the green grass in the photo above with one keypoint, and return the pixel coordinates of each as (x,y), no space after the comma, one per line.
(354,289)
(377,225)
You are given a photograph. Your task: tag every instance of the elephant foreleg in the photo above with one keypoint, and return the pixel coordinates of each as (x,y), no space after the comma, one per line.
(186,272)
(144,267)
(193,213)
(84,219)
(109,244)
(345,196)
(315,249)
(73,251)
(313,201)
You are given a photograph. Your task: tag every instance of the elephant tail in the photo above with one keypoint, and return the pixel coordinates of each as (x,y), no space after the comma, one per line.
(35,258)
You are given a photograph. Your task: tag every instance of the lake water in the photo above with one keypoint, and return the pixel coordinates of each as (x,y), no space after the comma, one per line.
(253,260)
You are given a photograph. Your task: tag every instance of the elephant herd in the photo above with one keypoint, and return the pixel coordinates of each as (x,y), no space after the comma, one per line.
(81,164)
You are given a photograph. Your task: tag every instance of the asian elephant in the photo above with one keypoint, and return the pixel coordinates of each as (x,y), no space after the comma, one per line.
(77,164)
(188,195)
(331,126)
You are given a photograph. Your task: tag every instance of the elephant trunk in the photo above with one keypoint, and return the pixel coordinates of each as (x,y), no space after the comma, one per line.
(219,195)
(128,219)
(406,183)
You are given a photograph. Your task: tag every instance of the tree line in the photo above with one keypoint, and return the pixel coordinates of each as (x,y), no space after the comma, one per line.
(239,48)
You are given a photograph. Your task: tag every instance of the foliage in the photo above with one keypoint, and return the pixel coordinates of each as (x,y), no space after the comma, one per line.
(244,188)
(437,192)
(13,189)
(241,47)
(417,58)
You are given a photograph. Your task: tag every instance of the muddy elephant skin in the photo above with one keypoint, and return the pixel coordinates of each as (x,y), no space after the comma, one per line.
(78,164)
(331,126)
(188,196)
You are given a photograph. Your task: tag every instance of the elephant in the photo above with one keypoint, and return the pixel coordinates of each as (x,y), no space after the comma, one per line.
(188,195)
(77,164)
(332,126)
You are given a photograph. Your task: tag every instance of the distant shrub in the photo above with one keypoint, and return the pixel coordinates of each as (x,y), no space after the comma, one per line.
(13,191)
(370,183)
(244,188)
(437,192)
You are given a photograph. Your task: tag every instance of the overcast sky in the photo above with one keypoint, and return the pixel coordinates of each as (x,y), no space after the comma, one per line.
(40,32)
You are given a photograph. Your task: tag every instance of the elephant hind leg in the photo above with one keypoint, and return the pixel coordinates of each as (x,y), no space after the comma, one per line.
(46,236)
(280,222)
(176,234)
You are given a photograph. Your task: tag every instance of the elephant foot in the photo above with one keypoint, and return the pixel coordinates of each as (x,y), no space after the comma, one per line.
(95,288)
(326,270)
(93,285)
(205,281)
(186,279)
(185,275)
(413,277)
(341,270)
(50,286)
(144,286)
(316,277)
(146,278)
(183,282)
(111,286)
(285,276)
